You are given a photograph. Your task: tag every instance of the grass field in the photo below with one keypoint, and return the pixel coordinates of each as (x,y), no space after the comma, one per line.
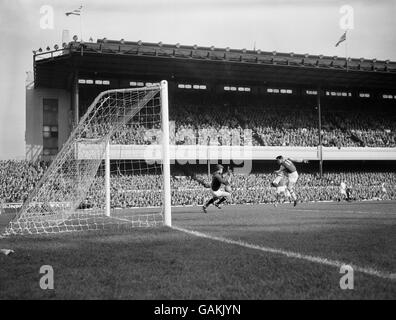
(250,252)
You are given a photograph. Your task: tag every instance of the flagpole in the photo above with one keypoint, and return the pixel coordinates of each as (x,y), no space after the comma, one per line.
(81,34)
(77,12)
(346,49)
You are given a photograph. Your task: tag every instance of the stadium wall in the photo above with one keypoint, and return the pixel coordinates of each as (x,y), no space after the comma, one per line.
(34,118)
(196,152)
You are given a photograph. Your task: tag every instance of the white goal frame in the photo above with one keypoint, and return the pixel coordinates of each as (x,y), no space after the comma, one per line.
(165,153)
(44,212)
(167,212)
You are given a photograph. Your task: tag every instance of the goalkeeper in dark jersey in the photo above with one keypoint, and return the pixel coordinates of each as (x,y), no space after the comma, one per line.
(218,193)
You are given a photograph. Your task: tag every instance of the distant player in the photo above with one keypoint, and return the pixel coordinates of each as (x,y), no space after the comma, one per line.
(280,183)
(349,193)
(287,166)
(384,192)
(218,192)
(343,194)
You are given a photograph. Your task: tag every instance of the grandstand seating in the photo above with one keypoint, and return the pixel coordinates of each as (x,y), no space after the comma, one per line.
(282,127)
(219,125)
(216,124)
(17,179)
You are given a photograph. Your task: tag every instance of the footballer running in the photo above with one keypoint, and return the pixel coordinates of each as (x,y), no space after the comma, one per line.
(218,192)
(288,168)
(280,183)
(343,193)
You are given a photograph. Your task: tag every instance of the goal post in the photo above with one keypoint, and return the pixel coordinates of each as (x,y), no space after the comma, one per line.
(165,153)
(165,159)
(107,179)
(102,176)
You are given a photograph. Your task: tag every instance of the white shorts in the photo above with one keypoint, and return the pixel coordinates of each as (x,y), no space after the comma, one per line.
(221,193)
(343,192)
(281,189)
(277,180)
(293,177)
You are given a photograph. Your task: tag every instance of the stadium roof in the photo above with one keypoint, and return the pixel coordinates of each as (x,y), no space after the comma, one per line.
(156,61)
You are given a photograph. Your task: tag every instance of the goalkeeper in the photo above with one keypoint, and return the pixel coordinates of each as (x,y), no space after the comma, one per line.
(217,192)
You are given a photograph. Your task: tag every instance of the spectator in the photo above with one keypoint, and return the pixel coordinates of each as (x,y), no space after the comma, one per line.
(18,178)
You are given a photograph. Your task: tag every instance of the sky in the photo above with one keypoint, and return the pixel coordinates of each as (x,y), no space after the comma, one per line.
(299,26)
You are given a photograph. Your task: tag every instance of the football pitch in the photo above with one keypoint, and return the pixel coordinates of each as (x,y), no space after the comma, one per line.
(239,252)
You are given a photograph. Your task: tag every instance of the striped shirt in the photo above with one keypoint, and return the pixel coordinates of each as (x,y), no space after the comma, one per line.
(288,166)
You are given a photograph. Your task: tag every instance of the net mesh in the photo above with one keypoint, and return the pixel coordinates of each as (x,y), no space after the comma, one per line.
(71,194)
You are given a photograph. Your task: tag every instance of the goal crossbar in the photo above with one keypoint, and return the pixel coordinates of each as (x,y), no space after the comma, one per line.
(65,184)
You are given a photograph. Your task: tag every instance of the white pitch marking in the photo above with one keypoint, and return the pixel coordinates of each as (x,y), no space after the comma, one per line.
(340,211)
(291,254)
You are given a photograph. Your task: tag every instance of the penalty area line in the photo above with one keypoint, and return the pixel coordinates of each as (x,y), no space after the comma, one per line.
(291,254)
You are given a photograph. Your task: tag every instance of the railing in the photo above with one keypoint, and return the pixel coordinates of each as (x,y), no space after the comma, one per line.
(51,54)
(202,152)
(225,54)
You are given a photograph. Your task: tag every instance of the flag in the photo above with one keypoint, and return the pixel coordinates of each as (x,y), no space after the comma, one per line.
(76,12)
(343,38)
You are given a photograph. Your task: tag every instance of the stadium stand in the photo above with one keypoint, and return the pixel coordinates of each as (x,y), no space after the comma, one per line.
(17,179)
(280,126)
(268,126)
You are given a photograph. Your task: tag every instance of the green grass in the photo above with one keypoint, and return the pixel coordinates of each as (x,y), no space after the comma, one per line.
(161,263)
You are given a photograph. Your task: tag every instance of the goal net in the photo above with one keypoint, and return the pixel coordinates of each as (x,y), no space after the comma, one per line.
(113,171)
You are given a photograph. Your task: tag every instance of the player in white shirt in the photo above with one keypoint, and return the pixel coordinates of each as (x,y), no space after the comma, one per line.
(287,166)
(383,191)
(280,183)
(343,194)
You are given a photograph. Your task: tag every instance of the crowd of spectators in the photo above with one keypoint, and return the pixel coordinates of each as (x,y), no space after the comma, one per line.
(250,189)
(371,130)
(258,126)
(18,178)
(133,133)
(209,125)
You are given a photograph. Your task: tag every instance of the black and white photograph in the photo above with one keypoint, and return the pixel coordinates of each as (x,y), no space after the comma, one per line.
(197,154)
